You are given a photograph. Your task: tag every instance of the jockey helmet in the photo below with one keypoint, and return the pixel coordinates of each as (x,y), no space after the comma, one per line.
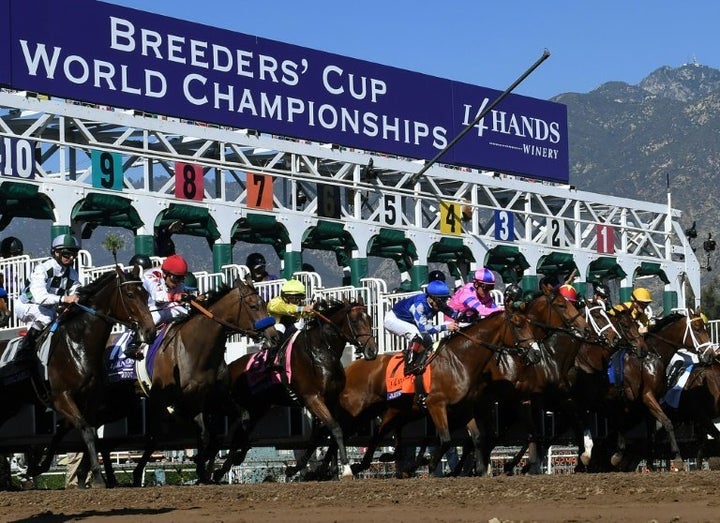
(484,278)
(255,260)
(568,291)
(437,289)
(65,242)
(11,246)
(513,293)
(293,287)
(175,265)
(142,260)
(602,290)
(642,295)
(436,276)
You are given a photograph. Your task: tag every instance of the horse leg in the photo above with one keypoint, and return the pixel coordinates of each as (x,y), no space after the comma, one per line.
(203,448)
(318,407)
(656,410)
(390,420)
(438,413)
(110,479)
(239,445)
(36,468)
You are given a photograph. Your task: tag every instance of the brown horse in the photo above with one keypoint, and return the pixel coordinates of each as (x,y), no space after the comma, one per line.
(76,370)
(314,377)
(700,405)
(190,361)
(644,377)
(541,385)
(459,368)
(614,331)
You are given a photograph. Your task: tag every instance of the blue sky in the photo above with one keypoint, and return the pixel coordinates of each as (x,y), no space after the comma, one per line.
(482,43)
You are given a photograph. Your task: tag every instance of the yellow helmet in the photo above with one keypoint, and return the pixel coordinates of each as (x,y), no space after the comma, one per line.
(293,287)
(642,295)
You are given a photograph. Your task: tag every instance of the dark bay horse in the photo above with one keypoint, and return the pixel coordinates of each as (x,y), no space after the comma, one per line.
(460,368)
(615,331)
(522,389)
(313,377)
(76,369)
(190,361)
(699,405)
(644,377)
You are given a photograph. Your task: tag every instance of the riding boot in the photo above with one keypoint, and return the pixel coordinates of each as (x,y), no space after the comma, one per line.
(674,373)
(413,355)
(134,349)
(26,355)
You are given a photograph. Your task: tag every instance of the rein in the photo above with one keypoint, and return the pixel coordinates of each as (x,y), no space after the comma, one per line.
(355,339)
(230,326)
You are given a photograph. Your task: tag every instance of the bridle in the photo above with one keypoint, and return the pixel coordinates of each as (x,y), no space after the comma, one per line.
(568,323)
(354,338)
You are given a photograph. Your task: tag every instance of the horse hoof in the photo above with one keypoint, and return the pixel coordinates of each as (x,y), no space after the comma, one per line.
(615,459)
(585,459)
(356,469)
(290,471)
(347,473)
(677,465)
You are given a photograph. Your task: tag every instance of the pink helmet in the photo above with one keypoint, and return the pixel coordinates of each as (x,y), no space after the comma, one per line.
(569,292)
(175,265)
(484,276)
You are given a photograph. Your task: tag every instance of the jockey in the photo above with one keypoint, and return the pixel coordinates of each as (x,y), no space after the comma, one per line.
(52,282)
(288,310)
(166,289)
(601,296)
(513,296)
(639,303)
(167,295)
(257,265)
(411,317)
(11,246)
(474,299)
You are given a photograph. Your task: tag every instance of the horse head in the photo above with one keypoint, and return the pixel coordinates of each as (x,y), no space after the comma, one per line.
(553,312)
(351,320)
(518,333)
(628,330)
(252,316)
(120,297)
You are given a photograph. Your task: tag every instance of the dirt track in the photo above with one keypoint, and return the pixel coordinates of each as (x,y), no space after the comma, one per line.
(662,496)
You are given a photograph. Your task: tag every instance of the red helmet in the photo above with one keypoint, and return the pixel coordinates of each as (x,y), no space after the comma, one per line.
(176,265)
(569,292)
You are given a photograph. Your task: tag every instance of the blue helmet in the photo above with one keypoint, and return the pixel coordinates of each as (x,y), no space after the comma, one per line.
(437,289)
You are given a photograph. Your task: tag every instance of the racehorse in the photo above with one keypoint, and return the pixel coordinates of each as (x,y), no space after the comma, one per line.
(313,377)
(459,369)
(75,367)
(190,360)
(560,328)
(615,331)
(644,377)
(700,405)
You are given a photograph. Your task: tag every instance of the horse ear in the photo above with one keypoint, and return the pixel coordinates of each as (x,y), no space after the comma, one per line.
(118,271)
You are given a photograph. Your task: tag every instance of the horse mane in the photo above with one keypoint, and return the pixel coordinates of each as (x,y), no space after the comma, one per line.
(99,283)
(213,296)
(665,321)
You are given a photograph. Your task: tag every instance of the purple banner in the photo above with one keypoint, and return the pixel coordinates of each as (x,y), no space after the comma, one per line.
(111,55)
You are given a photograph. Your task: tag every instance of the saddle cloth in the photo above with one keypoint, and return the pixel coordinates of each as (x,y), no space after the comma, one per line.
(397,383)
